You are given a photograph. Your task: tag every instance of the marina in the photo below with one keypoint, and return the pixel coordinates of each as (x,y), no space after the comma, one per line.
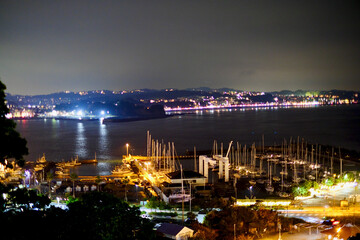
(251,156)
(252,171)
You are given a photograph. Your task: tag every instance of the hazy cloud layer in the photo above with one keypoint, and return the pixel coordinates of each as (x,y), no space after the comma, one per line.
(48,46)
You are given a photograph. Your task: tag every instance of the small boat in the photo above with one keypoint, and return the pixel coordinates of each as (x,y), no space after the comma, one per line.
(285,185)
(284,194)
(62,173)
(314,166)
(276,179)
(39,167)
(269,188)
(252,182)
(260,181)
(42,159)
(73,163)
(122,169)
(177,198)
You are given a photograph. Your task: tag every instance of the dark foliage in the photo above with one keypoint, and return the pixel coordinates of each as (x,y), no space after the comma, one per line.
(247,221)
(103,216)
(11,144)
(95,216)
(356,237)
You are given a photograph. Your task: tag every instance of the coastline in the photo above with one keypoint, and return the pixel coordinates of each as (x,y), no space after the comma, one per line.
(171,112)
(256,105)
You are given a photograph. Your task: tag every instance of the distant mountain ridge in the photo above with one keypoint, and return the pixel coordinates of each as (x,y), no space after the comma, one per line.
(157,91)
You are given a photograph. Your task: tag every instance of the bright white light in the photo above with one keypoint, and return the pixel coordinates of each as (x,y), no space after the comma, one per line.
(27,173)
(80,113)
(102,112)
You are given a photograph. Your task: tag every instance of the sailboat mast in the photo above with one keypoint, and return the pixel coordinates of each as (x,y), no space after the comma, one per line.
(182,192)
(195,166)
(340,163)
(332,161)
(173,156)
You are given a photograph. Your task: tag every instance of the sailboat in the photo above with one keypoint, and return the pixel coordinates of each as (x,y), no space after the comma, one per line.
(41,160)
(276,178)
(269,187)
(252,182)
(182,196)
(40,163)
(73,163)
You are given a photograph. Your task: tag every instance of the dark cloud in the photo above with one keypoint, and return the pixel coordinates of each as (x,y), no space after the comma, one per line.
(48,46)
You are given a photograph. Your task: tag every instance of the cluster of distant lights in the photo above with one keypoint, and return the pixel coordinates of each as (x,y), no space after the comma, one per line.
(76,114)
(210,107)
(20,114)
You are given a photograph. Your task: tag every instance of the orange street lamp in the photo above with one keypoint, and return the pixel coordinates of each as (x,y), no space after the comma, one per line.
(127,150)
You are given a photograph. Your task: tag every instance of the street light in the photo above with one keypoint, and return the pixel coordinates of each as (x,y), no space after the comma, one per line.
(127,150)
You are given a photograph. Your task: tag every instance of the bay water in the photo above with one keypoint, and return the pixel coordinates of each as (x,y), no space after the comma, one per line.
(65,139)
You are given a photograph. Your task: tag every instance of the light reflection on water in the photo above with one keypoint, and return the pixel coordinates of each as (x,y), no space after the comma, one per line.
(81,145)
(103,140)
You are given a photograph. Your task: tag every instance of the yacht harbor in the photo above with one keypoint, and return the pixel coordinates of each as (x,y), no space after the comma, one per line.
(228,170)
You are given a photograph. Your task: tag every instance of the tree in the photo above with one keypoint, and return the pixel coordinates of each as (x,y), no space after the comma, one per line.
(11,144)
(300,191)
(23,209)
(49,177)
(265,218)
(125,180)
(73,177)
(203,232)
(96,216)
(191,216)
(245,237)
(328,181)
(349,176)
(22,199)
(237,218)
(97,181)
(152,203)
(100,215)
(356,237)
(3,200)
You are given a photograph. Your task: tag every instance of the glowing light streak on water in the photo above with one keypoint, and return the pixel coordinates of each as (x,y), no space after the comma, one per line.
(81,146)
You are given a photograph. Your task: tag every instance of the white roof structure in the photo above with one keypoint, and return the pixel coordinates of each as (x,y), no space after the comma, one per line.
(175,231)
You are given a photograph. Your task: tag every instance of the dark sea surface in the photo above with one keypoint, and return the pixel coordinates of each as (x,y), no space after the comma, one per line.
(66,139)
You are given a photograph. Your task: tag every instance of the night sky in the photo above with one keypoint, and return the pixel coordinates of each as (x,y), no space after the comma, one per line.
(52,46)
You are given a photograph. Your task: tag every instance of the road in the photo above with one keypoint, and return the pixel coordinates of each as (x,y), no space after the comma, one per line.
(332,197)
(326,203)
